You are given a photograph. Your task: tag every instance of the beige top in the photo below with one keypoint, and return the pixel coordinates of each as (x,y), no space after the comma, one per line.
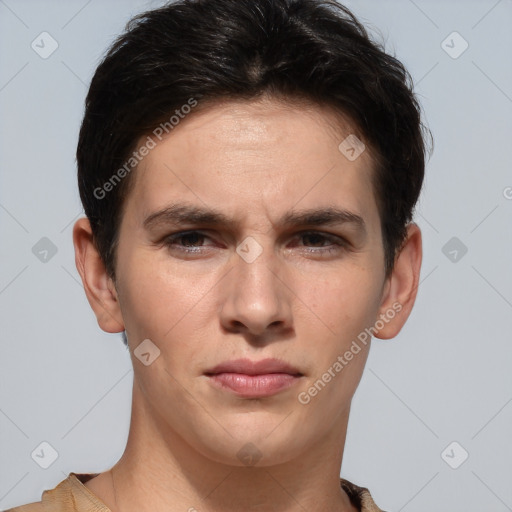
(71,495)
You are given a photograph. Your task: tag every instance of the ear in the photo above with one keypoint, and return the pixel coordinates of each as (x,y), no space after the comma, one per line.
(99,287)
(401,287)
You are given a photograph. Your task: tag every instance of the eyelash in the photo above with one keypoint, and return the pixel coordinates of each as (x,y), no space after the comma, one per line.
(341,244)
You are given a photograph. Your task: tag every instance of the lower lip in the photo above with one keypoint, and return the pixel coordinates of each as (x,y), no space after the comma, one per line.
(254,386)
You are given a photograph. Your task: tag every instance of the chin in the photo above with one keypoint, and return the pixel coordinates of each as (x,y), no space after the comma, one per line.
(248,447)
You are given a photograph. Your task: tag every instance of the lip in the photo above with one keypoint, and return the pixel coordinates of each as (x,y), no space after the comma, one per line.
(253,379)
(248,367)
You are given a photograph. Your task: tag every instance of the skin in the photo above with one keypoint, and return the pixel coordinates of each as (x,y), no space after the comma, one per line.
(303,300)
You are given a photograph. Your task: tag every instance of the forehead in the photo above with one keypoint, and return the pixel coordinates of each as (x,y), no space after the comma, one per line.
(267,155)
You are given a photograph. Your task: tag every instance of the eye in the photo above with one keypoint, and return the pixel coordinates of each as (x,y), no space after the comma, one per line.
(313,242)
(186,241)
(335,244)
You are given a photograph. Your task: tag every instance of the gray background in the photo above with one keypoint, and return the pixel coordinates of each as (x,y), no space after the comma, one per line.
(447,376)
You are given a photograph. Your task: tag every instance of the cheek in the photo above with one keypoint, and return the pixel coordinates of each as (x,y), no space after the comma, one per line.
(156,295)
(342,303)
(338,311)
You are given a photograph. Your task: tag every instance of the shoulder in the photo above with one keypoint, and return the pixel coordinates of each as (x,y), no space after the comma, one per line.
(30,507)
(360,497)
(70,495)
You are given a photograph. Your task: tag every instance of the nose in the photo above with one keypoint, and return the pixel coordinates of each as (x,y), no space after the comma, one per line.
(257,297)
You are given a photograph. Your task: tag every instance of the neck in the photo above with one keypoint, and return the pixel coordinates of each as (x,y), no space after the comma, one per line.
(160,471)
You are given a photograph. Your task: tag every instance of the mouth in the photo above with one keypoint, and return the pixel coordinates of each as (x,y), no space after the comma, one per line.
(253,379)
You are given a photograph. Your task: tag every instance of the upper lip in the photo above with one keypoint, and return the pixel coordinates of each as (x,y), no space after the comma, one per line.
(248,367)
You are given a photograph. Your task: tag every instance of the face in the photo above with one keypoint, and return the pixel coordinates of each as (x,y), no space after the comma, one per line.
(250,254)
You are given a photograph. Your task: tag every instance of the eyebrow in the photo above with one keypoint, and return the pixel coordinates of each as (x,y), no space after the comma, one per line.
(181,213)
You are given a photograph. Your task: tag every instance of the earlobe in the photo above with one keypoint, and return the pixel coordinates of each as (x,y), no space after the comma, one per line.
(99,288)
(401,287)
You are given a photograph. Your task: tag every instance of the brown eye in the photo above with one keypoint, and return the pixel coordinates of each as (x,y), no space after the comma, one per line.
(186,241)
(322,242)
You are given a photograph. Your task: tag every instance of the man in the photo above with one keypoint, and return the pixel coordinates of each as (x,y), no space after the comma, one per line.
(249,170)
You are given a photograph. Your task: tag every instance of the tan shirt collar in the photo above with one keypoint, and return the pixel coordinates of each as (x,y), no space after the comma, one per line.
(71,495)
